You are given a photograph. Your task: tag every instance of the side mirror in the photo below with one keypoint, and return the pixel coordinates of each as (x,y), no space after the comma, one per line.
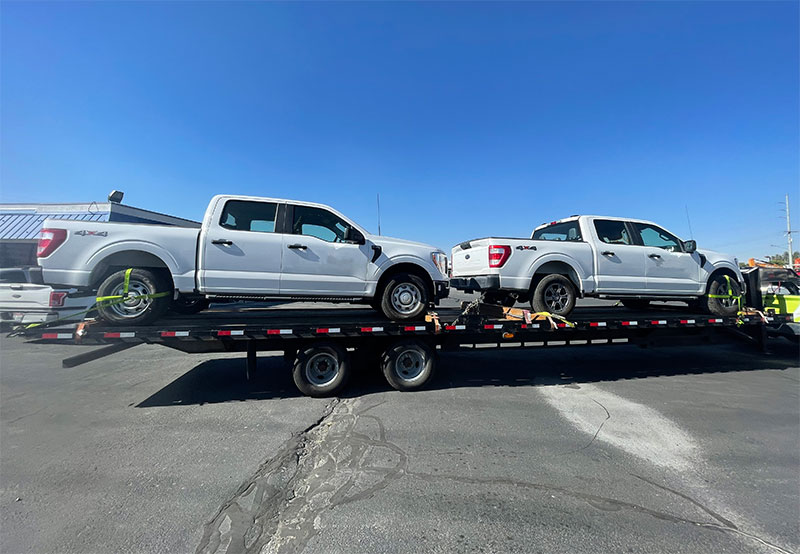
(689,246)
(354,236)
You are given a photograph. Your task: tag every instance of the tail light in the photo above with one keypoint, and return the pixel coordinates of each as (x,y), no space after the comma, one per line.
(57,299)
(49,240)
(499,254)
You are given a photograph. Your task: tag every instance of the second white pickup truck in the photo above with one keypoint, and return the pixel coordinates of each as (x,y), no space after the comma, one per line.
(247,248)
(632,260)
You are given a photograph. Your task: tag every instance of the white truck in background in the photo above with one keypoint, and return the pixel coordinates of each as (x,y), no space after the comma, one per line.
(247,248)
(634,261)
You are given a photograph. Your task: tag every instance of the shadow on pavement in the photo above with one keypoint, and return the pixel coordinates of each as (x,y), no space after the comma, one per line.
(224,380)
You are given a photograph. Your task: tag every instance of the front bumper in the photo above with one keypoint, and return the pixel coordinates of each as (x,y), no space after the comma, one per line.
(478,282)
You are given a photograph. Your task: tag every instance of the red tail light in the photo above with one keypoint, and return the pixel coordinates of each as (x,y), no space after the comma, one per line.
(49,240)
(499,254)
(57,299)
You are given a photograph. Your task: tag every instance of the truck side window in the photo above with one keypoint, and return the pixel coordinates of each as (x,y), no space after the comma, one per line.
(319,223)
(658,237)
(241,215)
(612,232)
(569,230)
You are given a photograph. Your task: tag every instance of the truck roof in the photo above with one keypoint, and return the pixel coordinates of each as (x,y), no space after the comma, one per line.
(611,217)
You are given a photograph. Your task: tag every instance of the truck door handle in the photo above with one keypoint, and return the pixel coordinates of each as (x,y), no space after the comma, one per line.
(298,246)
(226,242)
(608,253)
(654,256)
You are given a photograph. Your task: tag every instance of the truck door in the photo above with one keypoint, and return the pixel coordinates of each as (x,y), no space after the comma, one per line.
(668,269)
(620,262)
(240,252)
(321,256)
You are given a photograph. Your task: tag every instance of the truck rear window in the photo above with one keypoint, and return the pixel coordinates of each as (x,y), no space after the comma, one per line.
(569,230)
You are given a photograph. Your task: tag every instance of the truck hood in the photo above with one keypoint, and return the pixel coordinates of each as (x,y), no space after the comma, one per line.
(391,241)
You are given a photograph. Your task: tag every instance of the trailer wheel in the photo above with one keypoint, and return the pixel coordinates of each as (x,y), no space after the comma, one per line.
(321,370)
(138,309)
(408,365)
(555,294)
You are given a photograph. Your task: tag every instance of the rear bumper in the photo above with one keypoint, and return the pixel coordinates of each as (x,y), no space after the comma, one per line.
(478,282)
(66,278)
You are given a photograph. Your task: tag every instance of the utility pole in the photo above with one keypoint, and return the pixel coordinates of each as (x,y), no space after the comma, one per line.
(789,234)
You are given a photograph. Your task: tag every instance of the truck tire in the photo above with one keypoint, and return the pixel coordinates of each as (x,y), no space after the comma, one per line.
(321,370)
(136,311)
(555,294)
(718,285)
(636,304)
(189,305)
(404,297)
(408,365)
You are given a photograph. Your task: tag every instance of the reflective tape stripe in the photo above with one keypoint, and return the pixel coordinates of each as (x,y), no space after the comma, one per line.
(57,335)
(597,324)
(279,331)
(324,330)
(371,329)
(630,323)
(658,322)
(118,335)
(715,321)
(495,326)
(174,333)
(414,328)
(455,327)
(687,321)
(236,333)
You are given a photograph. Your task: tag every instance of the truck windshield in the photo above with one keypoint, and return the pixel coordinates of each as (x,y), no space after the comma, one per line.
(559,231)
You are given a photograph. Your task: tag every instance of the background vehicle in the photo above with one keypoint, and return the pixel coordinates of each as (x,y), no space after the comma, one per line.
(632,260)
(247,248)
(23,300)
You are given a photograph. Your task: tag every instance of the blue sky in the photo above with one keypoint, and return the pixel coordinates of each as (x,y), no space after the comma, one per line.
(469,119)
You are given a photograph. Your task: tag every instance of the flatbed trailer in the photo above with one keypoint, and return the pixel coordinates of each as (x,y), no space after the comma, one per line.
(321,345)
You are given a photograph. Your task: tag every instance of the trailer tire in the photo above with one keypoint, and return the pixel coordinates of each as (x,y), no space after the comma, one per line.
(134,312)
(321,370)
(189,305)
(404,297)
(554,294)
(408,365)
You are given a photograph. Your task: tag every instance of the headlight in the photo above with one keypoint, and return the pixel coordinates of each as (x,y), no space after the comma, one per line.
(440,261)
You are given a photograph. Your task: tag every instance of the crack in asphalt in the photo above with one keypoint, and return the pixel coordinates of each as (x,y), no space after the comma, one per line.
(345,457)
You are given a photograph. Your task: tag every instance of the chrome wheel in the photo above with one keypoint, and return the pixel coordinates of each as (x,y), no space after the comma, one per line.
(556,297)
(409,365)
(321,369)
(406,298)
(136,301)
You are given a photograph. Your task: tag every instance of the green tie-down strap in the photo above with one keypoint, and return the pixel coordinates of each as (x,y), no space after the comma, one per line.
(737,297)
(104,302)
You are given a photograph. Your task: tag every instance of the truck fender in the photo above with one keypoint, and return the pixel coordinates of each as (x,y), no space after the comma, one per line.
(384,264)
(583,277)
(137,246)
(723,264)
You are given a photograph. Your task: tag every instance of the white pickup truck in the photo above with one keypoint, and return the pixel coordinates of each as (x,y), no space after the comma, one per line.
(631,260)
(247,248)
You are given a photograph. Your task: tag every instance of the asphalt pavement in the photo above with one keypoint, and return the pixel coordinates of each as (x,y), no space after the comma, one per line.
(602,449)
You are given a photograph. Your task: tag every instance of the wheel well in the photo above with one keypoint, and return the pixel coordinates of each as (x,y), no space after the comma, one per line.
(560,268)
(721,271)
(404,268)
(123,260)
